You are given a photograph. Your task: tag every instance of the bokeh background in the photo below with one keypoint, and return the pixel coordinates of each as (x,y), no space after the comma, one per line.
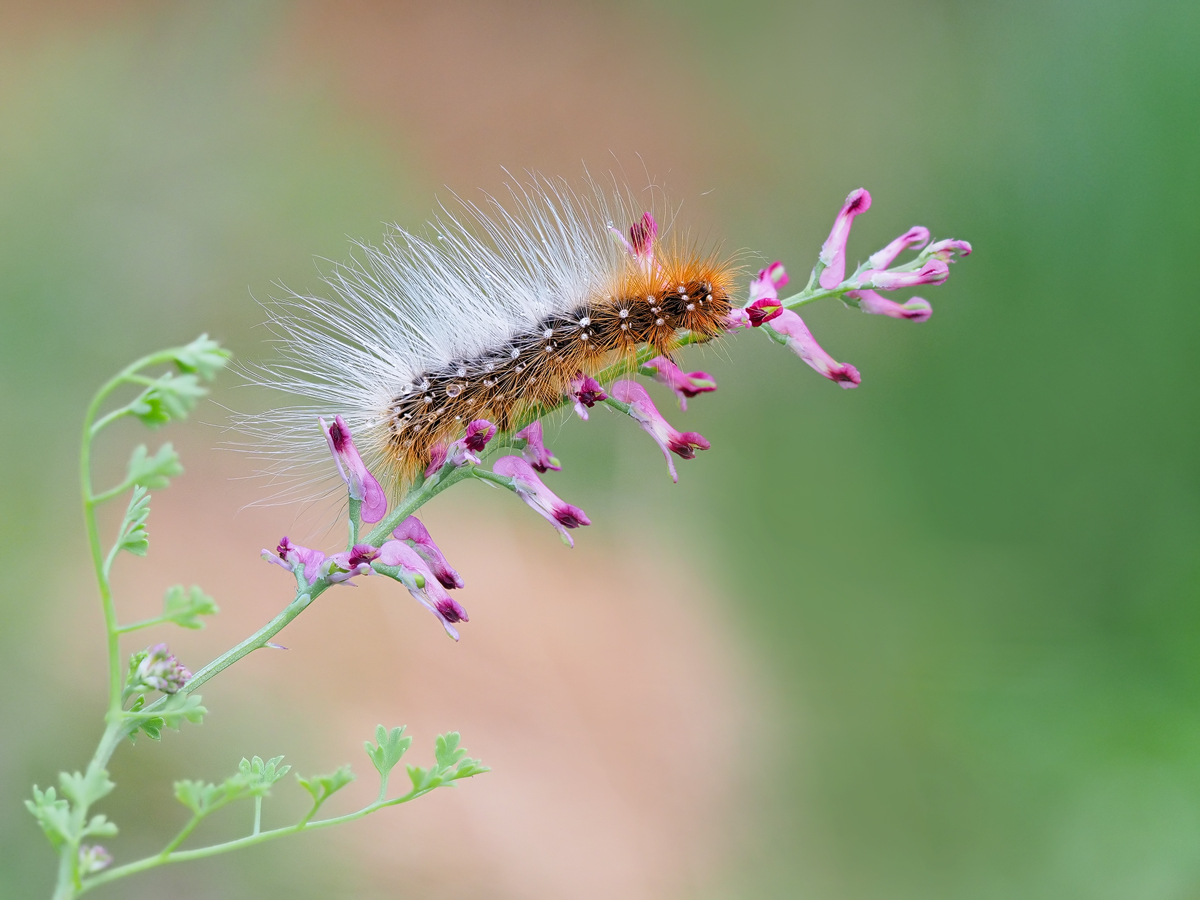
(933,638)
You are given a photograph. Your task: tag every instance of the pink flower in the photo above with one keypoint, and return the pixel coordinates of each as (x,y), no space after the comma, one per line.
(437,459)
(768,281)
(289,555)
(587,392)
(341,567)
(536,453)
(479,432)
(641,240)
(915,310)
(540,498)
(833,252)
(464,450)
(643,411)
(417,536)
(933,271)
(93,858)
(362,484)
(945,250)
(804,345)
(685,386)
(411,571)
(917,236)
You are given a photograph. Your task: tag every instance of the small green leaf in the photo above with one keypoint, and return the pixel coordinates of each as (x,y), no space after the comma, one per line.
(53,814)
(170,398)
(203,356)
(424,779)
(99,826)
(133,535)
(184,608)
(468,767)
(152,728)
(84,790)
(181,707)
(154,472)
(446,749)
(392,745)
(322,787)
(259,775)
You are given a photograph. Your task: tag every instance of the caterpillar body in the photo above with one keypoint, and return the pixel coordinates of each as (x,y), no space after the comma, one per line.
(491,317)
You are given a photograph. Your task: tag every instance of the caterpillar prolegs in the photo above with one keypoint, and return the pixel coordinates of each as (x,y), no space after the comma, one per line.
(490,316)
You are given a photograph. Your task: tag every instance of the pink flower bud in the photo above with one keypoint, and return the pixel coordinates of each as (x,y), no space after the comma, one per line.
(540,498)
(642,409)
(917,236)
(93,858)
(437,459)
(464,450)
(765,310)
(945,250)
(641,240)
(933,271)
(159,670)
(833,252)
(424,586)
(915,310)
(685,386)
(417,536)
(361,482)
(768,281)
(536,453)
(804,345)
(737,318)
(587,392)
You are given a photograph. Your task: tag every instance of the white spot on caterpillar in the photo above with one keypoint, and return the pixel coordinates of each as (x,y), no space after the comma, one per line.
(454,390)
(691,306)
(650,300)
(515,353)
(462,370)
(658,321)
(709,297)
(682,295)
(490,367)
(624,326)
(583,336)
(428,400)
(585,322)
(458,418)
(624,314)
(548,333)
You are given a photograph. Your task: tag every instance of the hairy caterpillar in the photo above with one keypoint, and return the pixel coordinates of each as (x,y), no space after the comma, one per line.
(491,316)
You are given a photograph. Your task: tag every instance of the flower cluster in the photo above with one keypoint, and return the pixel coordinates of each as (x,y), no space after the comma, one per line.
(861,289)
(157,669)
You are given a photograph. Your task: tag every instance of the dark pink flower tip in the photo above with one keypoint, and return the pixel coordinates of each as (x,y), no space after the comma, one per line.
(761,311)
(451,610)
(766,284)
(804,345)
(685,385)
(341,567)
(536,453)
(945,250)
(833,252)
(915,310)
(290,555)
(541,499)
(425,589)
(414,532)
(917,236)
(479,432)
(932,271)
(359,480)
(587,392)
(644,412)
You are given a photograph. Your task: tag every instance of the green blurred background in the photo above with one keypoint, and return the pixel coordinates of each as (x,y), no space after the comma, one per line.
(965,594)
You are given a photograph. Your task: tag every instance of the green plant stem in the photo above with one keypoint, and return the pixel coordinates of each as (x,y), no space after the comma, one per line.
(144,623)
(174,856)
